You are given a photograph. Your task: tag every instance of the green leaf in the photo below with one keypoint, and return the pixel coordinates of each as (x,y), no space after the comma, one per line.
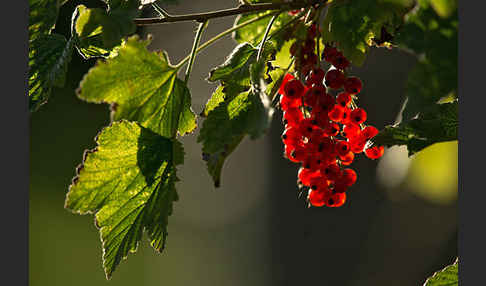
(231,116)
(142,86)
(427,84)
(445,277)
(99,31)
(253,33)
(434,39)
(49,56)
(42,17)
(222,93)
(437,124)
(353,24)
(444,8)
(128,182)
(240,106)
(236,67)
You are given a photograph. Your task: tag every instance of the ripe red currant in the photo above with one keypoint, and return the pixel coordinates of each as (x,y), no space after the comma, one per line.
(353,85)
(375,152)
(334,79)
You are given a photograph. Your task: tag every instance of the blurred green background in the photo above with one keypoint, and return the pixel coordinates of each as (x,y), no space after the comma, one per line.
(398,227)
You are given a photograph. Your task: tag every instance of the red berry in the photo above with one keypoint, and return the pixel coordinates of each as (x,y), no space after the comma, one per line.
(375,152)
(286,79)
(351,131)
(298,154)
(294,89)
(313,94)
(307,127)
(358,116)
(336,114)
(312,162)
(329,53)
(317,198)
(353,85)
(316,76)
(342,147)
(332,129)
(369,132)
(331,171)
(336,200)
(325,104)
(291,136)
(346,116)
(343,99)
(340,62)
(334,79)
(293,116)
(357,145)
(340,187)
(348,177)
(287,102)
(305,175)
(347,159)
(318,183)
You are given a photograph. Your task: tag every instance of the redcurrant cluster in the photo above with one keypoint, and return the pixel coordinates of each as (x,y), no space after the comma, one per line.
(324,131)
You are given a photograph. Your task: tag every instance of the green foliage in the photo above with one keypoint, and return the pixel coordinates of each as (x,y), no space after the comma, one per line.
(236,68)
(434,39)
(98,31)
(353,24)
(253,33)
(437,124)
(128,182)
(42,17)
(237,107)
(49,56)
(142,86)
(447,276)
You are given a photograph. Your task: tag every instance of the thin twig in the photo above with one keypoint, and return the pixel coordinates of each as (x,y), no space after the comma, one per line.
(197,39)
(222,34)
(241,9)
(160,10)
(262,43)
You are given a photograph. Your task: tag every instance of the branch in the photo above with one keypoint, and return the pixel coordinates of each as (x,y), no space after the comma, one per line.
(241,9)
(197,39)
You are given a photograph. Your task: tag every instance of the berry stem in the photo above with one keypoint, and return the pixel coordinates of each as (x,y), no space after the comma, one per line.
(192,57)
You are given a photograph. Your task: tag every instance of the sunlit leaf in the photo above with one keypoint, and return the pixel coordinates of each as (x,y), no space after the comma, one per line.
(437,124)
(353,24)
(447,276)
(142,86)
(49,56)
(128,182)
(98,31)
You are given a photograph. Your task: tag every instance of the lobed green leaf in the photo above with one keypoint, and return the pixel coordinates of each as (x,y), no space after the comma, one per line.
(437,124)
(447,276)
(253,33)
(239,107)
(49,56)
(98,31)
(434,39)
(128,182)
(354,24)
(42,17)
(142,86)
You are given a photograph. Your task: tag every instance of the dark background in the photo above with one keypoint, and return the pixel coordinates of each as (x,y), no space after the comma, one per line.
(398,226)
